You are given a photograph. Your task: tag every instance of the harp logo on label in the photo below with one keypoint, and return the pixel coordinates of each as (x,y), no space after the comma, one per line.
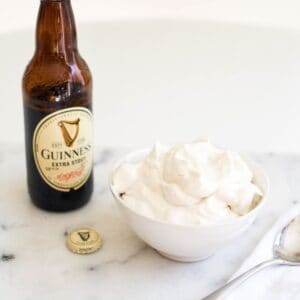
(62,148)
(69,141)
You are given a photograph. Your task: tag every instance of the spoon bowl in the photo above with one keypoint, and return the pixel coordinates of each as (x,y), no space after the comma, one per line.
(280,248)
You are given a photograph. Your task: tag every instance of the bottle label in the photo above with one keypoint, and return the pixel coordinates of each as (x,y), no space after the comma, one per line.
(62,148)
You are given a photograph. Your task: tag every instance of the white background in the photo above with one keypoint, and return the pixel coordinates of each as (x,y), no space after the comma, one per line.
(174,70)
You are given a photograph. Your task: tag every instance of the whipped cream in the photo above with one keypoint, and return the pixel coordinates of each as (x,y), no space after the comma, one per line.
(194,183)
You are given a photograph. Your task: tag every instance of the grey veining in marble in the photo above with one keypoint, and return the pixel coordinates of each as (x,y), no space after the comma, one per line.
(35,263)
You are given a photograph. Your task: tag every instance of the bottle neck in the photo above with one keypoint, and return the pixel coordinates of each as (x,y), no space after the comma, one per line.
(56,29)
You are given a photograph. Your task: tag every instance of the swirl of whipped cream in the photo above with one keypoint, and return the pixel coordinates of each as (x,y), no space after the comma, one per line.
(188,184)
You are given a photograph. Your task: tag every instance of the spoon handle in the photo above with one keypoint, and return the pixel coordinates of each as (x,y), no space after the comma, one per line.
(241,278)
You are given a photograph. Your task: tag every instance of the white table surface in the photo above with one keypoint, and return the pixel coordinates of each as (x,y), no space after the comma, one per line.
(175,81)
(35,263)
(20,14)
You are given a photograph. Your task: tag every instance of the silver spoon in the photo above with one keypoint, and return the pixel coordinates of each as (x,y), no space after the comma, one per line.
(281,256)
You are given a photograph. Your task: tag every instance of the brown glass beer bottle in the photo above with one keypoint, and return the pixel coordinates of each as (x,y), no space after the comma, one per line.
(57,92)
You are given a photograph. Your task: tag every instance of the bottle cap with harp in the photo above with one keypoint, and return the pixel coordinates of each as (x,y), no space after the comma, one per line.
(84,241)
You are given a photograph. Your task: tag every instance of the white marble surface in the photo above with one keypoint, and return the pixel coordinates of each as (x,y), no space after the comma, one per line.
(35,264)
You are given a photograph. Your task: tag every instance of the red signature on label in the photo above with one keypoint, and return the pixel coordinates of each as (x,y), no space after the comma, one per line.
(70,175)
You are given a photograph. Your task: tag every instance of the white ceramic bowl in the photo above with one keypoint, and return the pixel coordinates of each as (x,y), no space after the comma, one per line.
(188,243)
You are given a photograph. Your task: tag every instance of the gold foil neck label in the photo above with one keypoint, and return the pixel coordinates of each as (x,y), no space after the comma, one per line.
(84,241)
(62,148)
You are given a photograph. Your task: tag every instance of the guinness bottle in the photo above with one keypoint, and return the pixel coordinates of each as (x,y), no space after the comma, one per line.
(57,92)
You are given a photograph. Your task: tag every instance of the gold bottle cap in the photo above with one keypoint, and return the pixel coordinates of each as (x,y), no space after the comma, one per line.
(84,241)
